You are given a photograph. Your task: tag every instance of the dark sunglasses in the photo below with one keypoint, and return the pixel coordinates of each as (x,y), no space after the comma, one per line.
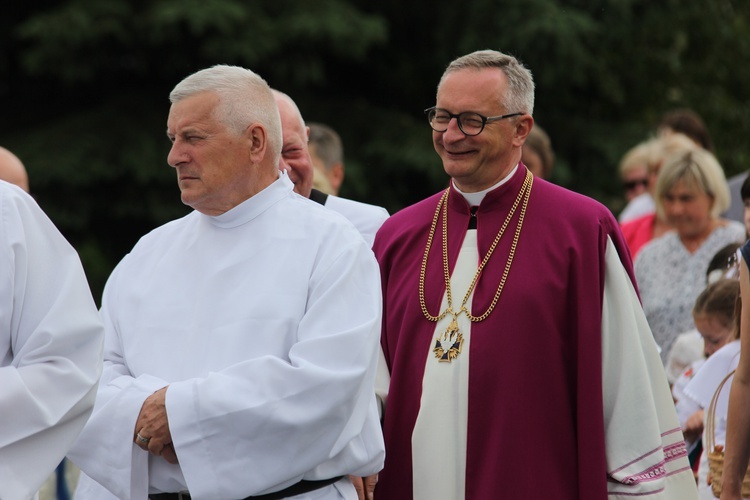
(630,185)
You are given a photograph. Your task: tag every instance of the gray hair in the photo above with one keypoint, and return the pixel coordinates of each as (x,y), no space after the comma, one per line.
(698,169)
(520,94)
(244,98)
(327,144)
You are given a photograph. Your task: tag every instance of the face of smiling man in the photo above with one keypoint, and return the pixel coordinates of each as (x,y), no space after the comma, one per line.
(295,157)
(478,162)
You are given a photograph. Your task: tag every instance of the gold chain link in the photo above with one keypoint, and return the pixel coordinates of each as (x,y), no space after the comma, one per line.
(524,194)
(423,270)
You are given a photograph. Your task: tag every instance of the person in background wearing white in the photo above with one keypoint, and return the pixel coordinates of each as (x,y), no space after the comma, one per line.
(50,345)
(298,165)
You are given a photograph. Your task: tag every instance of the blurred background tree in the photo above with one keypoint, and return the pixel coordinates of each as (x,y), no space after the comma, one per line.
(84,86)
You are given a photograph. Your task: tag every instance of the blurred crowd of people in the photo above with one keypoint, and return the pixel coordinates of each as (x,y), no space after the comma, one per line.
(685,224)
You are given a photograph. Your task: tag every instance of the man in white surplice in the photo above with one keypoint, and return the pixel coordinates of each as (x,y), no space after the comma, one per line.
(241,339)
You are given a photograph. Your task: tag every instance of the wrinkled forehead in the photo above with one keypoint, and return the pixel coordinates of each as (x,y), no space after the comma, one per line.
(193,111)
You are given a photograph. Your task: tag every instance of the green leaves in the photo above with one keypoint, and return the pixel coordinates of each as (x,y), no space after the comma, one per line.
(81,40)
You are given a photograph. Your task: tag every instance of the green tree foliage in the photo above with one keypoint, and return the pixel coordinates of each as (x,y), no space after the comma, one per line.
(87,84)
(84,86)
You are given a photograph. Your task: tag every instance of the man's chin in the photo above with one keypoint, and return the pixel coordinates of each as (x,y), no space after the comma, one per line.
(456,169)
(188,198)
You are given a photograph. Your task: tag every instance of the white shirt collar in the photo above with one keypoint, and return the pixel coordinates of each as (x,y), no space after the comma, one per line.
(255,205)
(475,199)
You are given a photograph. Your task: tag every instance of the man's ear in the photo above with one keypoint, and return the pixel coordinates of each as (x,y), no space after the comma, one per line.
(257,140)
(524,124)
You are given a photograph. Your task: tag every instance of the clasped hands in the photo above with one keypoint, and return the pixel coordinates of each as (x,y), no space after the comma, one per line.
(151,431)
(152,434)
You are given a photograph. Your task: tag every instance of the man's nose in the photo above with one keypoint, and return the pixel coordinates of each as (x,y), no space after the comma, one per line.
(176,156)
(453,133)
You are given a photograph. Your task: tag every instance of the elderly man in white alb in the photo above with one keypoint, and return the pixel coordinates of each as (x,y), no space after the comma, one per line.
(227,329)
(297,163)
(50,345)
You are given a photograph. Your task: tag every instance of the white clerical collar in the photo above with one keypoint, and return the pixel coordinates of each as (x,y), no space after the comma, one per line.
(255,205)
(475,199)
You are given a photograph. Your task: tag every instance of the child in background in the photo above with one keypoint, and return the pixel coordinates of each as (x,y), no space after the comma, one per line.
(688,347)
(715,319)
(718,322)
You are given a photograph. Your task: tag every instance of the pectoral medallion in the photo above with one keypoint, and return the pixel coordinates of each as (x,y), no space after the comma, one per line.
(448,345)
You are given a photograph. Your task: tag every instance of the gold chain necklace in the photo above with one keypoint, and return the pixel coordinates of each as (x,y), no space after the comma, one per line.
(448,345)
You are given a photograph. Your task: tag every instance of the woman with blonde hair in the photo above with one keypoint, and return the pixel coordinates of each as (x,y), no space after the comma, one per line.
(691,191)
(639,221)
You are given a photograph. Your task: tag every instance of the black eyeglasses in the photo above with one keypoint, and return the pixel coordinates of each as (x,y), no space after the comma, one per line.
(469,123)
(630,185)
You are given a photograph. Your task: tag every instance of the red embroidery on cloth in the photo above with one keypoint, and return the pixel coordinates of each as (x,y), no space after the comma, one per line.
(671,453)
(655,472)
(675,451)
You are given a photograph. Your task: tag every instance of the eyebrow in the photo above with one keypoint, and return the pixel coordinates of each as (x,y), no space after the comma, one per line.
(187,131)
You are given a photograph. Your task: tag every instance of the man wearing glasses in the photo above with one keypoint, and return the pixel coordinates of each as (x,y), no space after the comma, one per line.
(519,359)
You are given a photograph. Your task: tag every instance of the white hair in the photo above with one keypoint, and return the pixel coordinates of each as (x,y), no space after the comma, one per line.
(244,98)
